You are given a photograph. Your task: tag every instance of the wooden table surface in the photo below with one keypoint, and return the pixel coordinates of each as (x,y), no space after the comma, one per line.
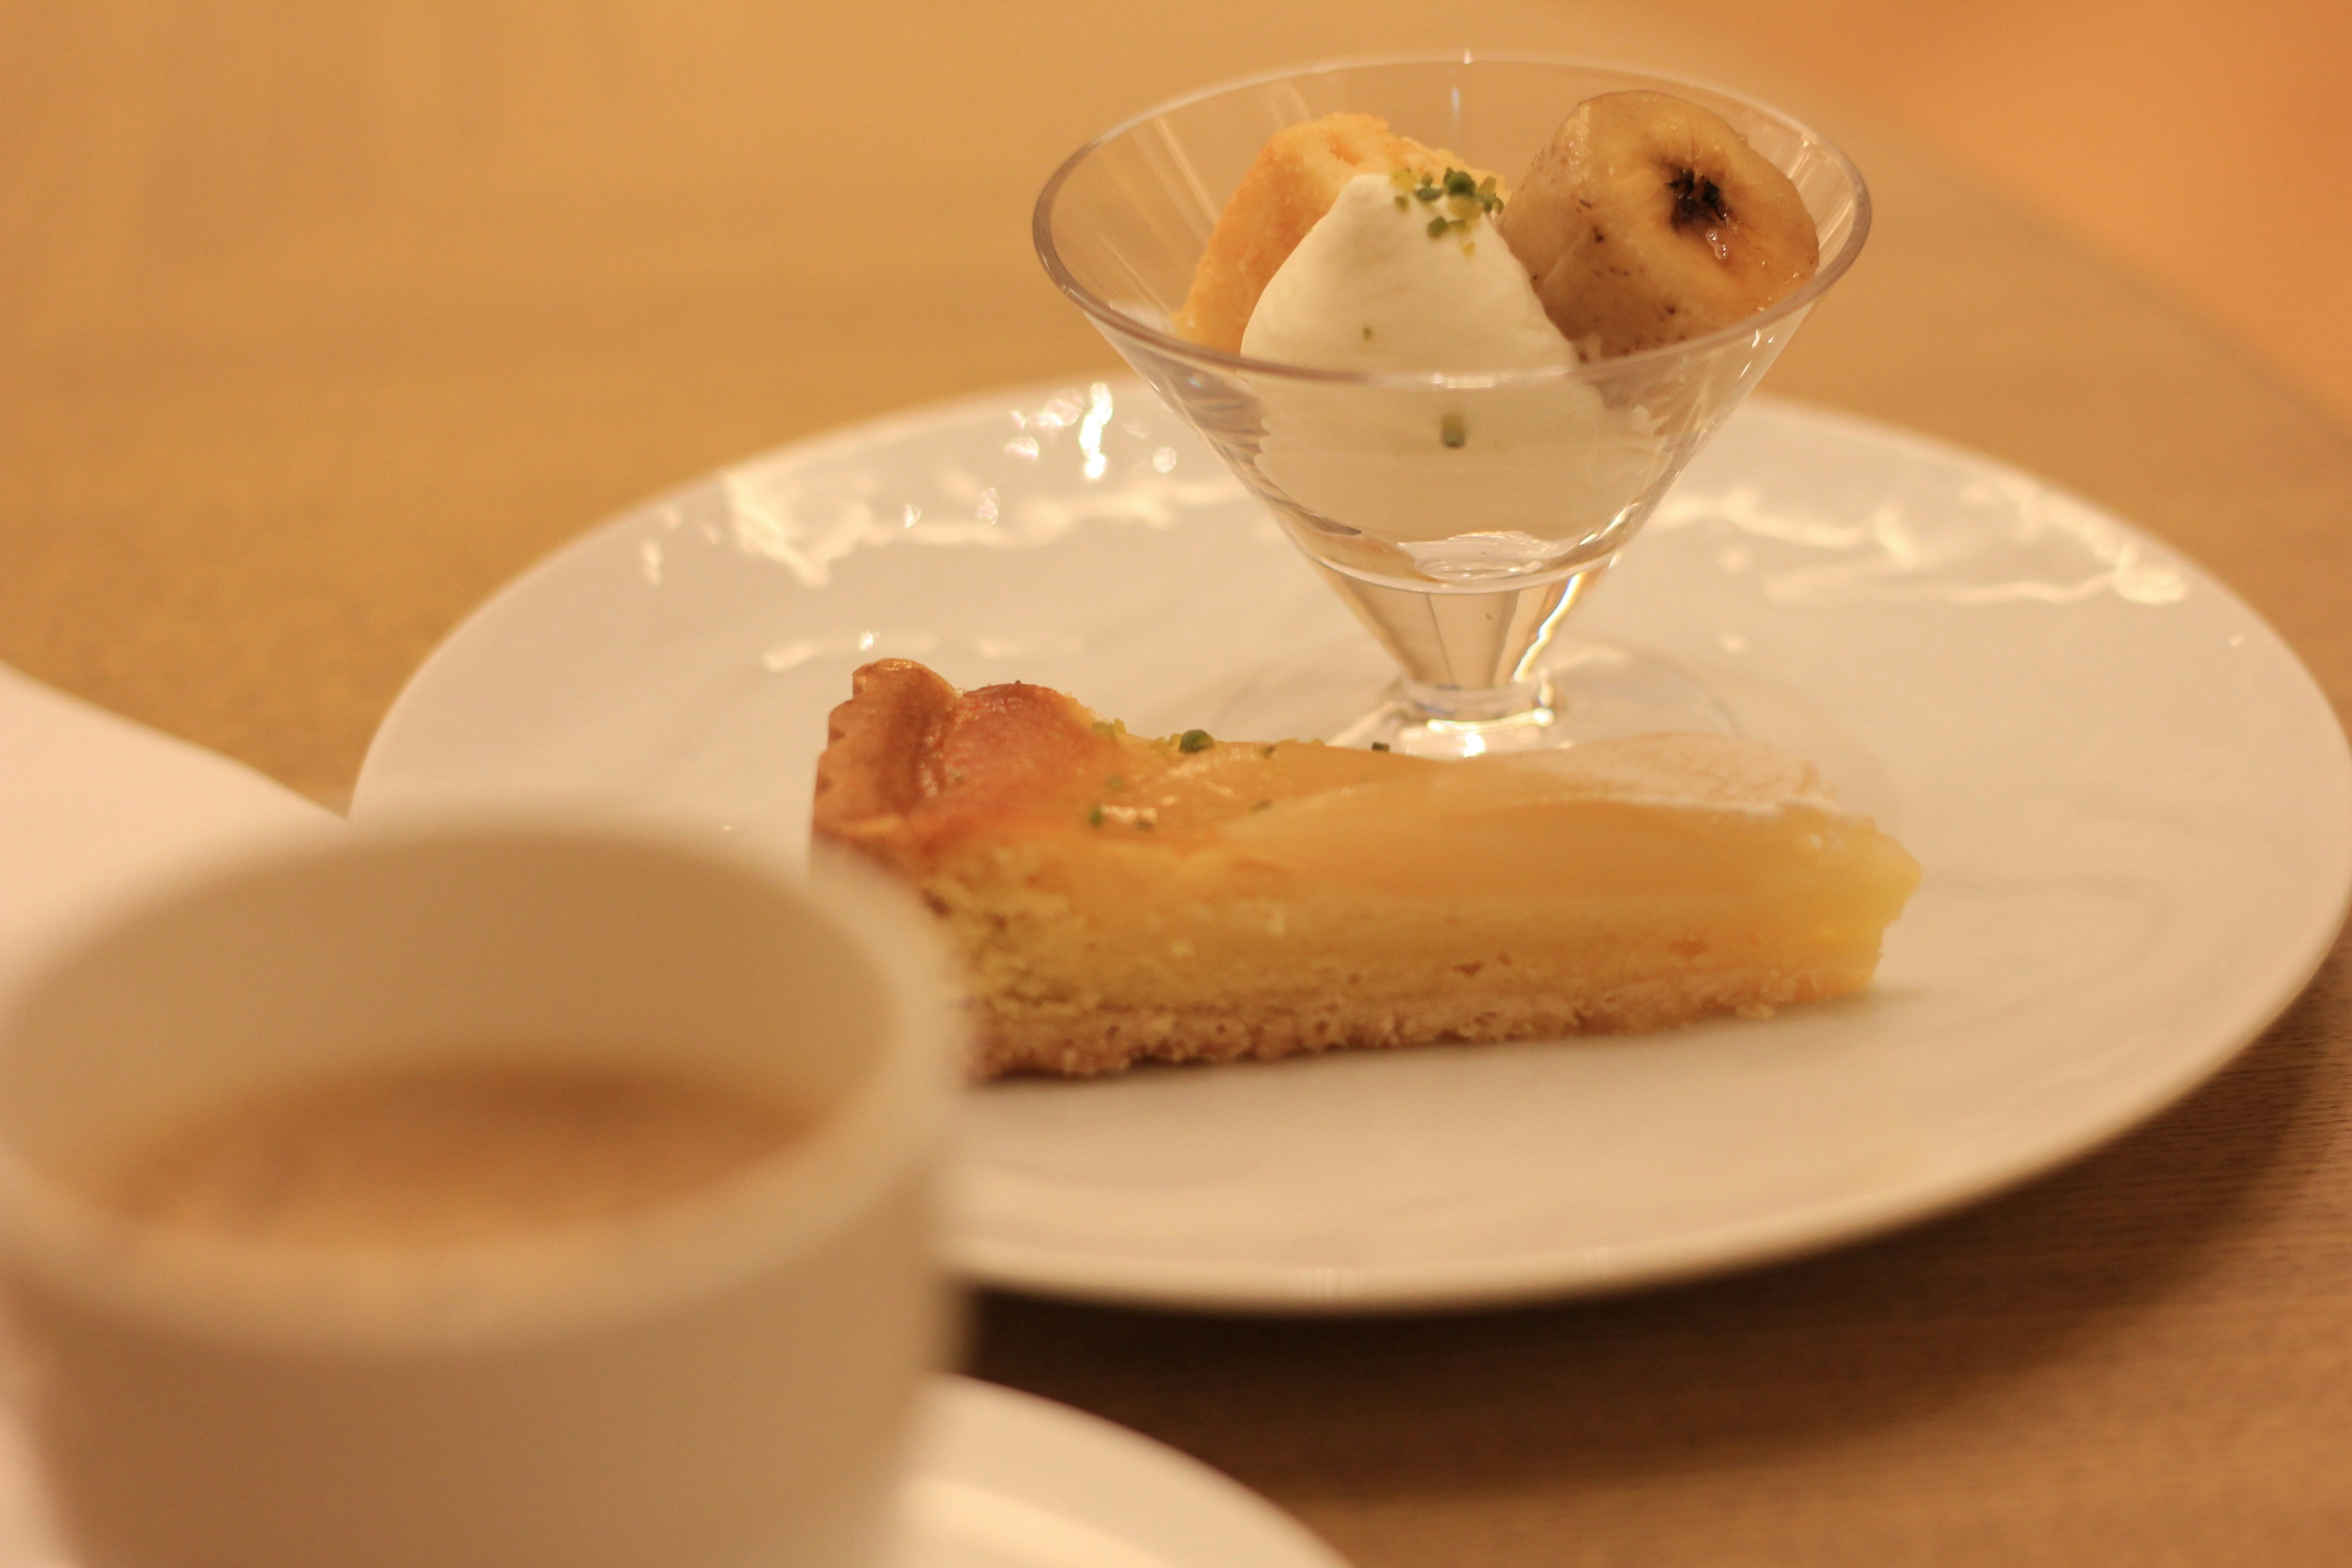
(318,324)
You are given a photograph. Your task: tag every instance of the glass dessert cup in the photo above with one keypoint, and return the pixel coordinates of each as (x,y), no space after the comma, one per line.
(1461,516)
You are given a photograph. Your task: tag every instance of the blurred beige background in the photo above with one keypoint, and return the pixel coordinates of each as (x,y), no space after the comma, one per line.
(449,281)
(2194,142)
(318,323)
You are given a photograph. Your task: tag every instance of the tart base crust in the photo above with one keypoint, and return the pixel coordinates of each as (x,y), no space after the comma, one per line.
(1086,1043)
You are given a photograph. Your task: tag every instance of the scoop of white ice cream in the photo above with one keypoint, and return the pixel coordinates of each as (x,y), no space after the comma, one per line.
(1370,289)
(1463,484)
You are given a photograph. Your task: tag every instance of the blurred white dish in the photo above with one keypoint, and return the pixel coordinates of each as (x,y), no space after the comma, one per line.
(1004,1480)
(2134,806)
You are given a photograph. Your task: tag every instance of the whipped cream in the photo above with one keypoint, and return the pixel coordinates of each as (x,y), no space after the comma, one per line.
(1370,289)
(1465,484)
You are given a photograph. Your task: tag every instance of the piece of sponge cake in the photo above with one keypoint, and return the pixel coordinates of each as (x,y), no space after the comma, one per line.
(1296,177)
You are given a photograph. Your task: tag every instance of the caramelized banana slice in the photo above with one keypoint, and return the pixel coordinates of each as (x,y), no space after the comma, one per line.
(1647,220)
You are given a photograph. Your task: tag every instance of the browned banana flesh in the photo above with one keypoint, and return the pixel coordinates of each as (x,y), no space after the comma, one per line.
(1648,220)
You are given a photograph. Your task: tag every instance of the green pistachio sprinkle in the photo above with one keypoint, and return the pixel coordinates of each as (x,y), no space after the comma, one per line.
(1458,183)
(1095,817)
(1459,226)
(1425,194)
(1192,740)
(1380,745)
(1451,431)
(1403,178)
(1403,205)
(1437,228)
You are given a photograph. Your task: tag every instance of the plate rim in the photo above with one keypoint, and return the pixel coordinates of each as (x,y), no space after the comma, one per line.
(815,446)
(964,1397)
(1293,1290)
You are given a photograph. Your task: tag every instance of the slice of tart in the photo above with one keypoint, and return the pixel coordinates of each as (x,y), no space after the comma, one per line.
(1114,899)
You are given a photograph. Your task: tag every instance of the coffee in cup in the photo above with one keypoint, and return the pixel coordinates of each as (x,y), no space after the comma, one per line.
(527,1195)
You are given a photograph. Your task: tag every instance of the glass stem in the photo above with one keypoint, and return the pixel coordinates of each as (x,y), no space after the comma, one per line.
(1467,656)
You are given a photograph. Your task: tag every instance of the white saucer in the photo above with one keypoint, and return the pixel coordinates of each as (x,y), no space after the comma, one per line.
(2134,806)
(998,1479)
(1004,1480)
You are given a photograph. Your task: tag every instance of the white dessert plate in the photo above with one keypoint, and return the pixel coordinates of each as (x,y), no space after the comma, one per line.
(2133,805)
(998,1479)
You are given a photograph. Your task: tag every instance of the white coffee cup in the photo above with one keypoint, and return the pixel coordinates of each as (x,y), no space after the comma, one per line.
(720,1380)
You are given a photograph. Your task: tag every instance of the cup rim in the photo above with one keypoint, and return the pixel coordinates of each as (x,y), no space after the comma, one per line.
(1111,319)
(561,1279)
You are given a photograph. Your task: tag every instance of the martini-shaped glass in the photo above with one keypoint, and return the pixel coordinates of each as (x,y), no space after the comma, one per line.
(1461,516)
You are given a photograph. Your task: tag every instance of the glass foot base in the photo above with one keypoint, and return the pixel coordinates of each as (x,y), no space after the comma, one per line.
(1350,696)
